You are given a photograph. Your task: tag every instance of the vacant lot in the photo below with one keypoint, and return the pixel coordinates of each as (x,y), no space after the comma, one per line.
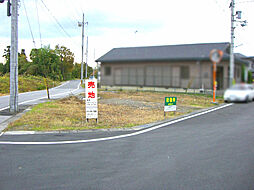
(116,110)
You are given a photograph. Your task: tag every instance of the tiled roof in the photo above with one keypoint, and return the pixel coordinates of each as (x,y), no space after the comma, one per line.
(165,53)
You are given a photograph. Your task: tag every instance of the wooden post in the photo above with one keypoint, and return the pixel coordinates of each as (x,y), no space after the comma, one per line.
(46,84)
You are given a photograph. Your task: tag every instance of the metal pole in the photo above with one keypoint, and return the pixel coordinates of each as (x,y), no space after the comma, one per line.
(214,81)
(231,72)
(82,57)
(14,58)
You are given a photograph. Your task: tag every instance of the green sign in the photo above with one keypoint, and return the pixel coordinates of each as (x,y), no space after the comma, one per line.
(170,101)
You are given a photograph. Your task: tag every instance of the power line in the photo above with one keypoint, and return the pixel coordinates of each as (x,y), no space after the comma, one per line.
(76,15)
(221,7)
(55,19)
(38,20)
(250,1)
(29,23)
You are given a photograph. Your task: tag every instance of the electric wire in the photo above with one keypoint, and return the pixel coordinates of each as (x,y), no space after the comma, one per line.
(250,1)
(29,23)
(221,7)
(55,19)
(36,5)
(75,14)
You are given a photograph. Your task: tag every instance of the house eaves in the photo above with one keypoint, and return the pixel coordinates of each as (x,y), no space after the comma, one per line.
(162,53)
(176,53)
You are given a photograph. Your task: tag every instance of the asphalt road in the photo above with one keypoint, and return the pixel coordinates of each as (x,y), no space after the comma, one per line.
(211,151)
(29,98)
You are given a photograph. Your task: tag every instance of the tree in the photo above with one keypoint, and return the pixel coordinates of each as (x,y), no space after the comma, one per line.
(45,62)
(89,71)
(6,55)
(23,62)
(76,72)
(243,73)
(66,61)
(1,68)
(56,64)
(250,79)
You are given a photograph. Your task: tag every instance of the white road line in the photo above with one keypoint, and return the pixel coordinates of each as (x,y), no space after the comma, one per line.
(61,85)
(116,137)
(4,108)
(1,134)
(44,90)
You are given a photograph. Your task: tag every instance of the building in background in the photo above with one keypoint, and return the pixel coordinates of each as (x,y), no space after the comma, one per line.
(172,66)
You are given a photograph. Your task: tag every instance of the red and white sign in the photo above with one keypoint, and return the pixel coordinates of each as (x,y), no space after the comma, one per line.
(91,99)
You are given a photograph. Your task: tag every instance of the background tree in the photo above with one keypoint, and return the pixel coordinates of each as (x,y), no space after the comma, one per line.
(6,68)
(45,62)
(33,69)
(89,71)
(250,79)
(1,68)
(56,64)
(76,72)
(66,61)
(23,63)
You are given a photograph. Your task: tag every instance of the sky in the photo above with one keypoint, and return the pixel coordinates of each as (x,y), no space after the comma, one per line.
(115,23)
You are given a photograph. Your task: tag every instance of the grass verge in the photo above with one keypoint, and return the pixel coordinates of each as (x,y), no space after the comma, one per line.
(116,110)
(26,83)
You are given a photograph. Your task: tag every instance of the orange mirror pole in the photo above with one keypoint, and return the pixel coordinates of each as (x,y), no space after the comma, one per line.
(214,81)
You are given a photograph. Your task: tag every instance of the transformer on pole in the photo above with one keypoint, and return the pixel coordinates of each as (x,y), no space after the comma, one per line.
(234,16)
(231,64)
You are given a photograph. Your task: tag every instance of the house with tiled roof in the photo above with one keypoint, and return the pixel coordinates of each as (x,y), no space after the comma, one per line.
(170,66)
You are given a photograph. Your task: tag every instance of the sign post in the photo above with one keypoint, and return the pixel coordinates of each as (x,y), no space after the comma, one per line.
(170,104)
(215,56)
(91,100)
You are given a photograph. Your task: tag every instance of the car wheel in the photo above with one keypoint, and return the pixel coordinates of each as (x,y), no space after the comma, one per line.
(247,99)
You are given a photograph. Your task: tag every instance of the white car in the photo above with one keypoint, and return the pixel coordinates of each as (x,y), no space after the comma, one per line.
(239,93)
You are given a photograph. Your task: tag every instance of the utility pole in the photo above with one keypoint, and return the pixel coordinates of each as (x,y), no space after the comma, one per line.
(81,24)
(232,64)
(86,54)
(235,17)
(14,58)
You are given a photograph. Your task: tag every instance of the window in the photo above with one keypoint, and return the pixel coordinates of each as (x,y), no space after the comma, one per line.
(107,71)
(185,73)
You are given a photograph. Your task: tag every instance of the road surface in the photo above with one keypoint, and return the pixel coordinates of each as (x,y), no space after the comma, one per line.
(213,151)
(34,97)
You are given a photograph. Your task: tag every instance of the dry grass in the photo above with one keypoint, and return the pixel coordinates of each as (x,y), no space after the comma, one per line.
(69,113)
(27,83)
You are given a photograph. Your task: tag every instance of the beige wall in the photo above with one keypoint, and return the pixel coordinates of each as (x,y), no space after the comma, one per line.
(164,74)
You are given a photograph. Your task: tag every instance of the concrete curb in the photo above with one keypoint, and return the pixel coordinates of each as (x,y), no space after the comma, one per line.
(12,118)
